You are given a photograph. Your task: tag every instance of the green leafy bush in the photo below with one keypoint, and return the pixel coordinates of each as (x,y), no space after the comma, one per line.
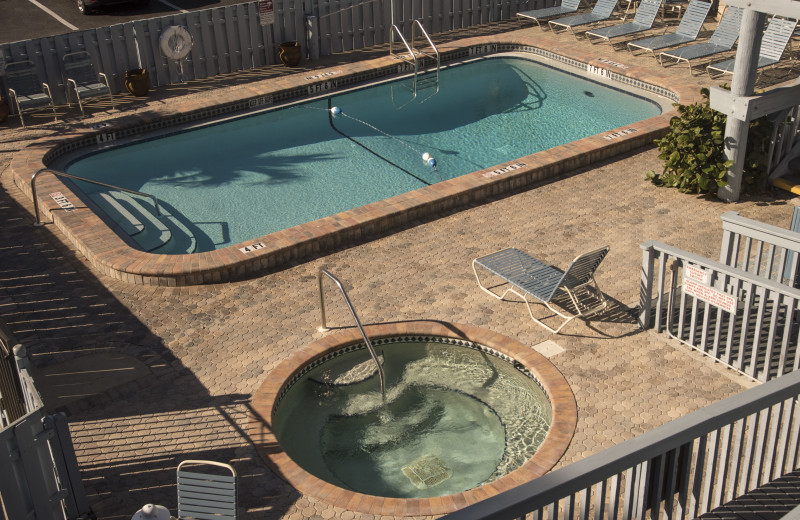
(694,155)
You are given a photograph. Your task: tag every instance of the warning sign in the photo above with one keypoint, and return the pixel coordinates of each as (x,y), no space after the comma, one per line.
(696,273)
(726,302)
(266,12)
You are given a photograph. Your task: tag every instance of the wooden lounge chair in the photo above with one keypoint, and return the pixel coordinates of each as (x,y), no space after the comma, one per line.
(687,30)
(205,496)
(529,277)
(566,7)
(602,11)
(643,21)
(82,80)
(26,90)
(722,40)
(774,41)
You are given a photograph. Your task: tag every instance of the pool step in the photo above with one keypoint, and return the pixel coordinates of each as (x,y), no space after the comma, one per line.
(138,218)
(129,224)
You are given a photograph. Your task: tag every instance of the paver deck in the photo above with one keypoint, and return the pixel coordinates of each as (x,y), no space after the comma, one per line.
(208,348)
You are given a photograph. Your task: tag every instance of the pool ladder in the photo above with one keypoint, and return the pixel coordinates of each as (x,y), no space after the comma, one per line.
(412,57)
(324,327)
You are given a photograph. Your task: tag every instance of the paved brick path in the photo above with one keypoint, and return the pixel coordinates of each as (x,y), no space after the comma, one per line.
(208,348)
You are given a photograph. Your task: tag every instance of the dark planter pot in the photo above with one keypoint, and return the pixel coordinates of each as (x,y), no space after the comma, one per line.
(4,110)
(137,81)
(290,53)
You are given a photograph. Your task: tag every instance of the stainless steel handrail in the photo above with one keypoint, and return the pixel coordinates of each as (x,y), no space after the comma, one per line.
(408,48)
(90,181)
(324,326)
(417,23)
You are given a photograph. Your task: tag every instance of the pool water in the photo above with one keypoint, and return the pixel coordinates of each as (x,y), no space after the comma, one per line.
(454,418)
(239,180)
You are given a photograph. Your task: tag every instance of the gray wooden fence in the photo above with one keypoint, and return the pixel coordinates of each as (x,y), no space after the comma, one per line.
(232,38)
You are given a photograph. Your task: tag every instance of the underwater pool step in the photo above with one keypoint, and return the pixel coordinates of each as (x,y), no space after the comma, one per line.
(155,233)
(129,224)
(183,240)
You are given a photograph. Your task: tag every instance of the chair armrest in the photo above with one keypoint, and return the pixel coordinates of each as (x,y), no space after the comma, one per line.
(105,79)
(46,88)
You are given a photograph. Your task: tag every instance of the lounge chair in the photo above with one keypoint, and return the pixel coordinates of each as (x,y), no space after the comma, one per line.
(530,277)
(203,496)
(687,30)
(26,90)
(602,11)
(82,80)
(773,44)
(643,21)
(566,7)
(722,40)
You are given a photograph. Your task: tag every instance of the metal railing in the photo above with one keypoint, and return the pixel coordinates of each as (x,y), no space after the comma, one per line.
(760,249)
(90,181)
(324,326)
(746,321)
(679,471)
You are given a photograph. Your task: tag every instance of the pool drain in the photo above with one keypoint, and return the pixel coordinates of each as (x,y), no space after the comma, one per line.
(427,471)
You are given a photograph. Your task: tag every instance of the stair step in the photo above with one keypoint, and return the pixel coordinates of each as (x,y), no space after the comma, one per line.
(124,218)
(155,233)
(183,240)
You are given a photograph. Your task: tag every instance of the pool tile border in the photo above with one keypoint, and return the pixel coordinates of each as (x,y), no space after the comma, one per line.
(119,258)
(562,427)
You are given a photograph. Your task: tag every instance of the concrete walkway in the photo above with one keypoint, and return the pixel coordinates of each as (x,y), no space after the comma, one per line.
(188,359)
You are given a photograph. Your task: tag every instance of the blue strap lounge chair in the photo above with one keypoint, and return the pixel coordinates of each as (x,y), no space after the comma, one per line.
(687,30)
(566,7)
(26,90)
(773,43)
(602,11)
(82,80)
(722,40)
(643,21)
(205,496)
(529,277)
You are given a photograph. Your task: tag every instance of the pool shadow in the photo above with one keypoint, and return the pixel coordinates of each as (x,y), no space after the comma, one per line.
(134,410)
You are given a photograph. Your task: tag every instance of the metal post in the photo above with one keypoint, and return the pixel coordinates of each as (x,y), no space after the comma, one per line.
(312,37)
(742,84)
(646,285)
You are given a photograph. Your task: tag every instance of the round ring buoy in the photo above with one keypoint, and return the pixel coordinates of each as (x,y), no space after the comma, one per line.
(175,42)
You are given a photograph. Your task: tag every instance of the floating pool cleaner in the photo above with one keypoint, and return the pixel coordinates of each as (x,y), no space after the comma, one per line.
(429,160)
(335,111)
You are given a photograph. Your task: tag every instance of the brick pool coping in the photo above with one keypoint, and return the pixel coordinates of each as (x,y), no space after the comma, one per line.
(113,256)
(562,400)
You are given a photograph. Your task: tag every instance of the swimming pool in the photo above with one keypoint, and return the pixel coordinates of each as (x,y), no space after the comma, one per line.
(111,253)
(232,182)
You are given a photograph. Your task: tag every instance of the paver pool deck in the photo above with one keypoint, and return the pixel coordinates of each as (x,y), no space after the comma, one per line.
(150,376)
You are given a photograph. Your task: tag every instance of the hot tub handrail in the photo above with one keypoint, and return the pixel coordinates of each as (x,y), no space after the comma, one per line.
(324,326)
(90,181)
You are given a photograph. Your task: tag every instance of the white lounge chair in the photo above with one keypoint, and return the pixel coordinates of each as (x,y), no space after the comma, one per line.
(687,31)
(529,277)
(723,39)
(206,496)
(773,43)
(643,21)
(566,7)
(602,11)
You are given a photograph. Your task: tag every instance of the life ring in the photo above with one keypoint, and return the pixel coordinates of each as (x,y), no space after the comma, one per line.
(175,42)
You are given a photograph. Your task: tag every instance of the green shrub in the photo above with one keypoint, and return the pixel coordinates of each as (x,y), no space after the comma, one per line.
(694,155)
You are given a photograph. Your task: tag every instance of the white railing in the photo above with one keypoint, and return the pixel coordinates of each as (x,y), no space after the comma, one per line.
(678,471)
(746,321)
